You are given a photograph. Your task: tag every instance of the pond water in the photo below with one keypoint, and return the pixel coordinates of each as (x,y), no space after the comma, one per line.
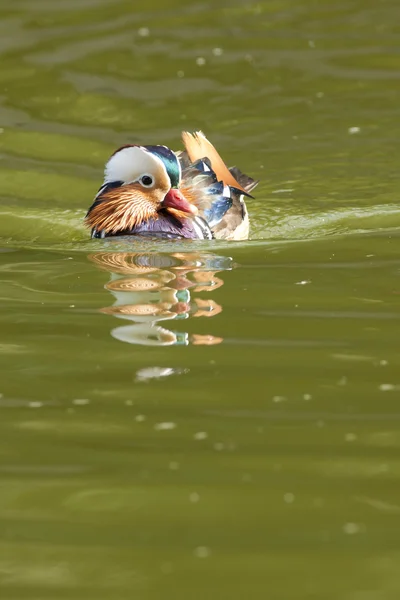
(191,420)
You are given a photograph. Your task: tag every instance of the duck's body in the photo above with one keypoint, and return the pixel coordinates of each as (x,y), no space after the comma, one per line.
(153,191)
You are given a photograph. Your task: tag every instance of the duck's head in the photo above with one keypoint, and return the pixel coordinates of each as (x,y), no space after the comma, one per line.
(140,182)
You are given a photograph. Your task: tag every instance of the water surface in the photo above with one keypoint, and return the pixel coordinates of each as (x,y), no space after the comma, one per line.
(187,420)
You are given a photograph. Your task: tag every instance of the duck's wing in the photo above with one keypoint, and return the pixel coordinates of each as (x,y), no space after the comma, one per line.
(216,190)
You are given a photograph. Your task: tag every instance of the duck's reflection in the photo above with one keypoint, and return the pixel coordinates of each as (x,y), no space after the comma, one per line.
(150,288)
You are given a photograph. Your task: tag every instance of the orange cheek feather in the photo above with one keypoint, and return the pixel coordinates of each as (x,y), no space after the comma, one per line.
(121,211)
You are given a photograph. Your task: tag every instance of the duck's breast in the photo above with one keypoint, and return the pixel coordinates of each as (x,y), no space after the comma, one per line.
(167,226)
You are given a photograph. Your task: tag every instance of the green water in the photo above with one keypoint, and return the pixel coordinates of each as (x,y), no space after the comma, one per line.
(185,420)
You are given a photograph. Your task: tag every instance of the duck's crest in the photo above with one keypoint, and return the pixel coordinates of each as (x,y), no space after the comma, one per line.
(170,161)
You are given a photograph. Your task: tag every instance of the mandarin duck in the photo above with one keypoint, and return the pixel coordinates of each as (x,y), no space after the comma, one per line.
(153,191)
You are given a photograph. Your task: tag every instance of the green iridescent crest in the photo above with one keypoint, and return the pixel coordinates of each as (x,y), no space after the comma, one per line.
(170,161)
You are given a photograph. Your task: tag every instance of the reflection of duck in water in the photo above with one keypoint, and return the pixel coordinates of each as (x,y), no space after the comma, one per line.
(151,190)
(149,288)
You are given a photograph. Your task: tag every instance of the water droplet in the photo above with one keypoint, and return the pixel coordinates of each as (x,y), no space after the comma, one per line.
(200,435)
(164,426)
(35,404)
(388,387)
(80,401)
(219,446)
(194,497)
(350,437)
(140,418)
(200,61)
(288,498)
(202,552)
(144,32)
(351,528)
(217,51)
(353,130)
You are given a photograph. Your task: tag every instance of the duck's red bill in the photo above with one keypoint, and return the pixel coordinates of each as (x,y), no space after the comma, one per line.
(175,199)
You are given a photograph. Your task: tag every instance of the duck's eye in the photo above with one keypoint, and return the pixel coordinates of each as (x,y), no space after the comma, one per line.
(146,180)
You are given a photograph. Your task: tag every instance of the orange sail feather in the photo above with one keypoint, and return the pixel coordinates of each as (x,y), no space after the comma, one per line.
(197,146)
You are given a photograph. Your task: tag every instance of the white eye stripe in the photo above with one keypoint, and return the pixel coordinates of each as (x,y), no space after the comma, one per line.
(130,164)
